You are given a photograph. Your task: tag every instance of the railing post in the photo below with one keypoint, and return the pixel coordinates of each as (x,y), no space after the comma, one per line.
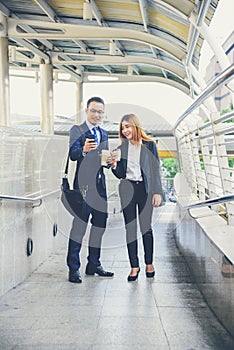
(212,182)
(197,166)
(187,161)
(192,164)
(222,161)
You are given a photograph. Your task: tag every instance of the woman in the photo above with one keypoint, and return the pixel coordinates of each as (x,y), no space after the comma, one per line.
(140,189)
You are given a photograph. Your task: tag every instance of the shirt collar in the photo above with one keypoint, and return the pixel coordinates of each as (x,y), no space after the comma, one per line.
(91,126)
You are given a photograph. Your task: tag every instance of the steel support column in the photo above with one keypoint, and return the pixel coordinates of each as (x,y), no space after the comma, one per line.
(4,83)
(47,98)
(196,74)
(79,101)
(217,49)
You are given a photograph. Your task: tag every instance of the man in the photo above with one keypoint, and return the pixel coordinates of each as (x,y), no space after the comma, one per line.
(86,143)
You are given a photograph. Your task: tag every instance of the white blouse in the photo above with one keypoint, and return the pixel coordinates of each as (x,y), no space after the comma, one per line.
(133,163)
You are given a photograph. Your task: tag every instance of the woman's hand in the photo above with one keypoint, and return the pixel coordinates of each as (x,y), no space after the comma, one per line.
(115,157)
(156,200)
(109,160)
(113,163)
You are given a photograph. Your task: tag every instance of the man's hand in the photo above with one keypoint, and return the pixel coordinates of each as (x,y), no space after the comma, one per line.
(89,145)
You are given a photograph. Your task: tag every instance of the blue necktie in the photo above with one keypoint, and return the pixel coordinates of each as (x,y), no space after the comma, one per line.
(95,135)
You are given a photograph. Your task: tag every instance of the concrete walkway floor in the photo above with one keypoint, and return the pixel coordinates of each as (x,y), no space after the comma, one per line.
(168,312)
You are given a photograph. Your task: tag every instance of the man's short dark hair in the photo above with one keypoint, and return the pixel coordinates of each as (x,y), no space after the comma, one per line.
(95,99)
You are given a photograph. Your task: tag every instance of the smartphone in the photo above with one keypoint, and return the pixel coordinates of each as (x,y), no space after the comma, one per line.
(91,138)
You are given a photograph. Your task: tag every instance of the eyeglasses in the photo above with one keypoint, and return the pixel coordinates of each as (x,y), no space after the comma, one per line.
(94,111)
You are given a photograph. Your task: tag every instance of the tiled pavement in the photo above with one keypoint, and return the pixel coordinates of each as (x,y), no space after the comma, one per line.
(168,312)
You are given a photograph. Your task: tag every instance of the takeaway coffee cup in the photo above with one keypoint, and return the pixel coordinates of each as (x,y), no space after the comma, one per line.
(117,154)
(104,155)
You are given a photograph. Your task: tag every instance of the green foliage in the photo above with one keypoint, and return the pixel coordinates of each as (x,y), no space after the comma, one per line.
(229,120)
(202,164)
(226,110)
(171,166)
(231,162)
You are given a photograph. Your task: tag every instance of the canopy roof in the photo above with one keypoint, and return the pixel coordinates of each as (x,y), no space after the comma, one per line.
(129,40)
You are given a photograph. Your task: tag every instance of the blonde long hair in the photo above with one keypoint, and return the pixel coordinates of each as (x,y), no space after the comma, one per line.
(138,133)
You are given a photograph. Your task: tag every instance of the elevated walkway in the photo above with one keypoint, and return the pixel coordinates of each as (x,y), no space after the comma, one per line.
(167,312)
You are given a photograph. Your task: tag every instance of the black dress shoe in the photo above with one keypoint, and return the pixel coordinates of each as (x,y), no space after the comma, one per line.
(133,278)
(92,269)
(74,277)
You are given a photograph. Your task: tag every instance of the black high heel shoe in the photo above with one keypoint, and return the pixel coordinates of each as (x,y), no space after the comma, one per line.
(150,274)
(133,278)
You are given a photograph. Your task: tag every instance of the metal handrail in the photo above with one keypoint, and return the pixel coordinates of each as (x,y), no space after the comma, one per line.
(221,79)
(222,118)
(211,201)
(27,199)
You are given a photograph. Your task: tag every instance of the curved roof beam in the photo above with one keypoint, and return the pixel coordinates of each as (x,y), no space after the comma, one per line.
(24,43)
(54,18)
(119,60)
(120,78)
(6,12)
(106,60)
(134,78)
(70,31)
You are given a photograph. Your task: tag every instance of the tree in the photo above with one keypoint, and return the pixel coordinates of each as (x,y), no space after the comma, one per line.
(171,166)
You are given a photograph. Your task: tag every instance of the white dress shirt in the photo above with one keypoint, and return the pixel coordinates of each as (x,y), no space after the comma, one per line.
(91,126)
(133,163)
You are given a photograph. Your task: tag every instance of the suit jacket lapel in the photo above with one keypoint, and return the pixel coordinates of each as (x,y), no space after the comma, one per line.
(101,134)
(85,129)
(124,156)
(144,159)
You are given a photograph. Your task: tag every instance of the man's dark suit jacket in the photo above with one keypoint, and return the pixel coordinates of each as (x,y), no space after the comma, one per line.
(149,163)
(89,171)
